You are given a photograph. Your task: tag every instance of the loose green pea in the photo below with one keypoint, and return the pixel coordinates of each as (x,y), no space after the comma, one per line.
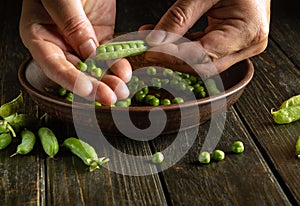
(48,141)
(96,72)
(165,102)
(62,91)
(298,147)
(178,100)
(27,144)
(81,66)
(85,152)
(139,97)
(212,87)
(151,71)
(122,103)
(5,140)
(69,97)
(218,155)
(98,104)
(12,107)
(237,147)
(157,158)
(154,101)
(168,72)
(204,157)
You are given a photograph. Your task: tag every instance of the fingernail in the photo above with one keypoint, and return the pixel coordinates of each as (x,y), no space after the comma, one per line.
(87,48)
(156,37)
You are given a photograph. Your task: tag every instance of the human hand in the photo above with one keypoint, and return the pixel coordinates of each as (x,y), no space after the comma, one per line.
(58,33)
(236,30)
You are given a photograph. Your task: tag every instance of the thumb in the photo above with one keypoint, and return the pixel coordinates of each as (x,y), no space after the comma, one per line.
(71,19)
(180,17)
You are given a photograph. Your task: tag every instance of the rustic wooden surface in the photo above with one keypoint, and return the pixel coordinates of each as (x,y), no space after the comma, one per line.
(267,173)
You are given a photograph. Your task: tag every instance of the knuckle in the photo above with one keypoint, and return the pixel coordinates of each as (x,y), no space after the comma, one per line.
(74,25)
(180,14)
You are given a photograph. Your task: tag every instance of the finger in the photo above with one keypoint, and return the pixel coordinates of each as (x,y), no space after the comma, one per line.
(122,69)
(53,62)
(181,16)
(147,27)
(102,93)
(117,86)
(74,25)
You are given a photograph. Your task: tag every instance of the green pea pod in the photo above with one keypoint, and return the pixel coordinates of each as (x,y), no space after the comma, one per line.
(21,121)
(5,140)
(12,107)
(48,141)
(5,127)
(286,115)
(85,152)
(27,144)
(294,100)
(115,50)
(298,147)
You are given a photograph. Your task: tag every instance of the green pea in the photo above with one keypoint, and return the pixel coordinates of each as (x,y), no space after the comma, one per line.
(151,71)
(157,158)
(5,140)
(237,147)
(139,97)
(193,79)
(48,141)
(178,100)
(164,82)
(204,157)
(286,115)
(218,155)
(12,107)
(156,83)
(154,101)
(97,103)
(181,86)
(96,72)
(298,147)
(69,97)
(81,66)
(165,102)
(85,152)
(168,72)
(122,103)
(27,144)
(212,87)
(62,91)
(148,98)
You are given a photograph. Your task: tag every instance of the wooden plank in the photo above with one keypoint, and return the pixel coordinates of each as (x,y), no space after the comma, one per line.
(275,80)
(285,28)
(70,183)
(241,179)
(21,177)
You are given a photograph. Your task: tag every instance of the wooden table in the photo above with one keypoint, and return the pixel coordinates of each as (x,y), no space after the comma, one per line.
(267,173)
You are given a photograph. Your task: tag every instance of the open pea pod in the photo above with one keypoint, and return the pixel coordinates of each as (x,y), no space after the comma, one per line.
(12,107)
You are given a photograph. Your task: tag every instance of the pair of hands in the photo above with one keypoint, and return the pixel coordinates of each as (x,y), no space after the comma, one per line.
(58,32)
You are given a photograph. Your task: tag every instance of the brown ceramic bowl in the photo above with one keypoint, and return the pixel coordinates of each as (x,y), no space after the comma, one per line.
(178,116)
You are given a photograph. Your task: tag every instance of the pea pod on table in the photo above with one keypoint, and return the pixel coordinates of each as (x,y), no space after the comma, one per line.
(48,141)
(85,152)
(5,140)
(12,107)
(27,144)
(286,115)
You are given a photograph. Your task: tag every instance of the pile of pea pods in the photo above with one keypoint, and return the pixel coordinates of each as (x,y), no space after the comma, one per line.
(14,125)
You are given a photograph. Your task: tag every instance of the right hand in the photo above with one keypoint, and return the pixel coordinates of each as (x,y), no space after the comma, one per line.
(58,33)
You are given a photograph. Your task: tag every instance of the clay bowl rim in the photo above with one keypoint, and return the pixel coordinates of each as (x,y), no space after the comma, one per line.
(198,102)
